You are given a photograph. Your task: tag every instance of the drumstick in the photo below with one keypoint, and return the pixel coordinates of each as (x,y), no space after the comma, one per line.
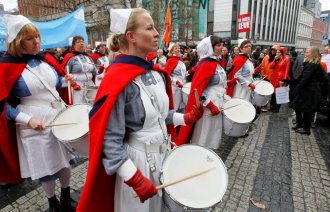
(260,81)
(23,127)
(229,107)
(69,88)
(185,178)
(179,180)
(198,102)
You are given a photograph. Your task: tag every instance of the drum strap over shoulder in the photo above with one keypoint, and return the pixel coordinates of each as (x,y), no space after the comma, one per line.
(57,97)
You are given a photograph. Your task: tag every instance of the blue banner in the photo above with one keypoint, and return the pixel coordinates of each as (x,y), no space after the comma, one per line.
(56,33)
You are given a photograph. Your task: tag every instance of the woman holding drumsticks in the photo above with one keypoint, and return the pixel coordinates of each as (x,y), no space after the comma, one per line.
(30,88)
(210,81)
(130,121)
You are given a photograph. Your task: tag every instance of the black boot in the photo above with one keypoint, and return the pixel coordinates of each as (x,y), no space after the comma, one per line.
(66,205)
(54,205)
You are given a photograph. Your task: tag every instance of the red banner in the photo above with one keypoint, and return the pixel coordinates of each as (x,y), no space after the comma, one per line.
(244,22)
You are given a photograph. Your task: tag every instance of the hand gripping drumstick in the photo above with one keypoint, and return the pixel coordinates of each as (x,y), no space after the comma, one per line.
(179,180)
(198,102)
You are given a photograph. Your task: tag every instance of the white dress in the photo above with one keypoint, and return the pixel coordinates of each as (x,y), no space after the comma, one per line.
(241,90)
(101,61)
(177,92)
(151,132)
(208,129)
(40,153)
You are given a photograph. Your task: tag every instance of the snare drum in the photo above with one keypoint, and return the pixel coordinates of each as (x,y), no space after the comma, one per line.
(201,192)
(237,117)
(90,93)
(185,92)
(74,136)
(262,93)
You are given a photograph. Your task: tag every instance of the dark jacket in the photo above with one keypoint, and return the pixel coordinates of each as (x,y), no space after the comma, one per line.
(307,92)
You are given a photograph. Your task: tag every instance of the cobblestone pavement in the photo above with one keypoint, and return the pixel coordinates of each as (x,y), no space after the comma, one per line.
(281,169)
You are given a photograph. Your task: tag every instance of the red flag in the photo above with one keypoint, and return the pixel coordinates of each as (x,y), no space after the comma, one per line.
(167,33)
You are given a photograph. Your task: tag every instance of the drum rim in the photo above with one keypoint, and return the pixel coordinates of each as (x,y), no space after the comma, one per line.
(254,111)
(263,81)
(166,190)
(62,111)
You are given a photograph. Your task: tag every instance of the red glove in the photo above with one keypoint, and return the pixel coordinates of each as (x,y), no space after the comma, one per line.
(143,187)
(179,84)
(101,69)
(252,86)
(213,108)
(75,86)
(194,115)
(232,82)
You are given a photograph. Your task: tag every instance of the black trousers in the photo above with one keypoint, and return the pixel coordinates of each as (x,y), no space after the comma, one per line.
(273,106)
(304,120)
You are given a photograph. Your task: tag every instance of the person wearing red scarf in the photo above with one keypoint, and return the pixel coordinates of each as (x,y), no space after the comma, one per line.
(242,69)
(31,104)
(210,81)
(177,70)
(130,122)
(101,61)
(83,69)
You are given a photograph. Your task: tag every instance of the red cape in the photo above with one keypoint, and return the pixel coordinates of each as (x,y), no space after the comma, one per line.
(11,69)
(95,56)
(171,63)
(237,64)
(98,192)
(205,70)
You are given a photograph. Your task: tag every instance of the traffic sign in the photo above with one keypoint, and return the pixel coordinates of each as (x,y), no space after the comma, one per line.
(325,37)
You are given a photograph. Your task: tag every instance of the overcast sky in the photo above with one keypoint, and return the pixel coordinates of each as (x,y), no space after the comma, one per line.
(10,4)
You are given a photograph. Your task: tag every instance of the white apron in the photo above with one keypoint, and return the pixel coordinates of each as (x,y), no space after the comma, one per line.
(243,91)
(208,129)
(102,61)
(84,79)
(177,92)
(40,153)
(151,132)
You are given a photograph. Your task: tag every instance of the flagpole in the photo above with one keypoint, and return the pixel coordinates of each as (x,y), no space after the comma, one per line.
(164,28)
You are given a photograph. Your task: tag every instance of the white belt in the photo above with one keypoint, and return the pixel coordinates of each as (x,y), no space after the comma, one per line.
(40,102)
(144,147)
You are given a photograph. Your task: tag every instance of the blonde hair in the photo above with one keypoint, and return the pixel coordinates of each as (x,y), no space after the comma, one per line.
(15,47)
(170,53)
(315,53)
(118,41)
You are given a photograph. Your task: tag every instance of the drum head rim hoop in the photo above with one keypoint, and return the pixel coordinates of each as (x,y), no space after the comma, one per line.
(60,114)
(219,171)
(253,110)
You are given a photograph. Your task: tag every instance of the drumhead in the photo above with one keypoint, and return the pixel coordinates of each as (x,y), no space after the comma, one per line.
(243,113)
(77,114)
(186,88)
(263,87)
(203,191)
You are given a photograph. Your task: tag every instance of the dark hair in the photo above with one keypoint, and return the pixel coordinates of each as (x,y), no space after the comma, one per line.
(293,53)
(75,39)
(215,40)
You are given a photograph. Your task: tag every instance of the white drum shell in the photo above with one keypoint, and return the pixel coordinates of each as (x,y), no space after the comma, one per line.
(236,120)
(73,136)
(185,92)
(200,192)
(262,93)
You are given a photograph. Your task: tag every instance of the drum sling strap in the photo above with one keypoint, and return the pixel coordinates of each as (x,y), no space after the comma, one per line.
(153,99)
(57,97)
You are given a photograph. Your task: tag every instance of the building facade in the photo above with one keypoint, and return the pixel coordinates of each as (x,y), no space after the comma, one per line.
(304,31)
(320,29)
(314,6)
(272,21)
(325,17)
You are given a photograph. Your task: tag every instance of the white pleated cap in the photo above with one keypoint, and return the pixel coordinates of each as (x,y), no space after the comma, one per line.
(14,24)
(204,48)
(119,19)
